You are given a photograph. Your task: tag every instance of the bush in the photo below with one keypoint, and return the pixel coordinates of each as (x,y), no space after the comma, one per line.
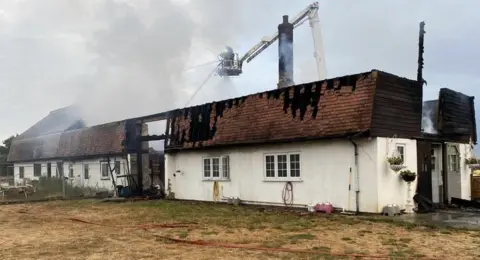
(394,160)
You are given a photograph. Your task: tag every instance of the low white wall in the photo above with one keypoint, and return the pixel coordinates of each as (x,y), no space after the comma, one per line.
(94,180)
(325,169)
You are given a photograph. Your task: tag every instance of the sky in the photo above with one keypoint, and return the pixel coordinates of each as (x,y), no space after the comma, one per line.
(126,58)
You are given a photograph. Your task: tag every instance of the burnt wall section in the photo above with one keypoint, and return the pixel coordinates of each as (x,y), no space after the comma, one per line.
(331,108)
(397,108)
(130,142)
(456,116)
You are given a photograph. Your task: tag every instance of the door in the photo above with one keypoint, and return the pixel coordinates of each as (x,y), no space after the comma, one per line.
(424,169)
(454,186)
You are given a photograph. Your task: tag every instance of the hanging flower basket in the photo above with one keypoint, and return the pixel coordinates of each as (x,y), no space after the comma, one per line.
(396,168)
(472,162)
(396,163)
(408,175)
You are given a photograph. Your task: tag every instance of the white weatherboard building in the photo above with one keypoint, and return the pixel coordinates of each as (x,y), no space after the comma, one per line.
(61,145)
(323,142)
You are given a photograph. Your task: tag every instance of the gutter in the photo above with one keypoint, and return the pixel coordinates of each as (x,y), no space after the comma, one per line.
(356,172)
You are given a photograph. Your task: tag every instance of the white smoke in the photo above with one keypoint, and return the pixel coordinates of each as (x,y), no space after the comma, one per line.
(427,123)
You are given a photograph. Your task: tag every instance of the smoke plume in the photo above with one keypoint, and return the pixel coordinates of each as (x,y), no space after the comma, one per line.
(428,116)
(142,50)
(285,52)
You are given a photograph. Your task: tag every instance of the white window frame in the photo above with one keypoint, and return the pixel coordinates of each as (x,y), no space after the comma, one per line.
(102,177)
(223,168)
(289,172)
(456,158)
(404,155)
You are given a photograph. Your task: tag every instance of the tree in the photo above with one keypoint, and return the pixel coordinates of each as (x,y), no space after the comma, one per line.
(5,148)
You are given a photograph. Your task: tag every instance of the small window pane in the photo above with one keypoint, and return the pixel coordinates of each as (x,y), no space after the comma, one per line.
(270,166)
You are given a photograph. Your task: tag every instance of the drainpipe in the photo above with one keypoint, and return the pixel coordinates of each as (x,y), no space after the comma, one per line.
(357,176)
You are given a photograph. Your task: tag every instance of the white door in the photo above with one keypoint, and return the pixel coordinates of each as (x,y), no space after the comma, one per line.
(453,172)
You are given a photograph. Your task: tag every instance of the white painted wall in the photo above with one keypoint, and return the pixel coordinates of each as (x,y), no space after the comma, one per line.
(465,152)
(95,179)
(391,188)
(324,174)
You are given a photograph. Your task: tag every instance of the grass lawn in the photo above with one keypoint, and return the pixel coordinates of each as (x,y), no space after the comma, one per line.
(44,231)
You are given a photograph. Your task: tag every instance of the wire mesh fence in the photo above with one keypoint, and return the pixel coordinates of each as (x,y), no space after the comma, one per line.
(54,180)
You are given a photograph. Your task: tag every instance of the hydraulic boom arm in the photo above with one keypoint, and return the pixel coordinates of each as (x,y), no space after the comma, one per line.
(231,65)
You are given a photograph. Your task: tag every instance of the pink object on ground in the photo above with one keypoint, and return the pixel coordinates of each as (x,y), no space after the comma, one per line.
(324,207)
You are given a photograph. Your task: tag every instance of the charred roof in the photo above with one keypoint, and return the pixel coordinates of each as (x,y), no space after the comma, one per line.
(336,107)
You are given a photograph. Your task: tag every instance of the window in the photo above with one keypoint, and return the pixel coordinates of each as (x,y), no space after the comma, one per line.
(282,166)
(432,155)
(21,172)
(453,158)
(270,165)
(216,168)
(104,170)
(295,165)
(206,167)
(37,170)
(401,151)
(226,167)
(70,171)
(49,170)
(86,175)
(117,167)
